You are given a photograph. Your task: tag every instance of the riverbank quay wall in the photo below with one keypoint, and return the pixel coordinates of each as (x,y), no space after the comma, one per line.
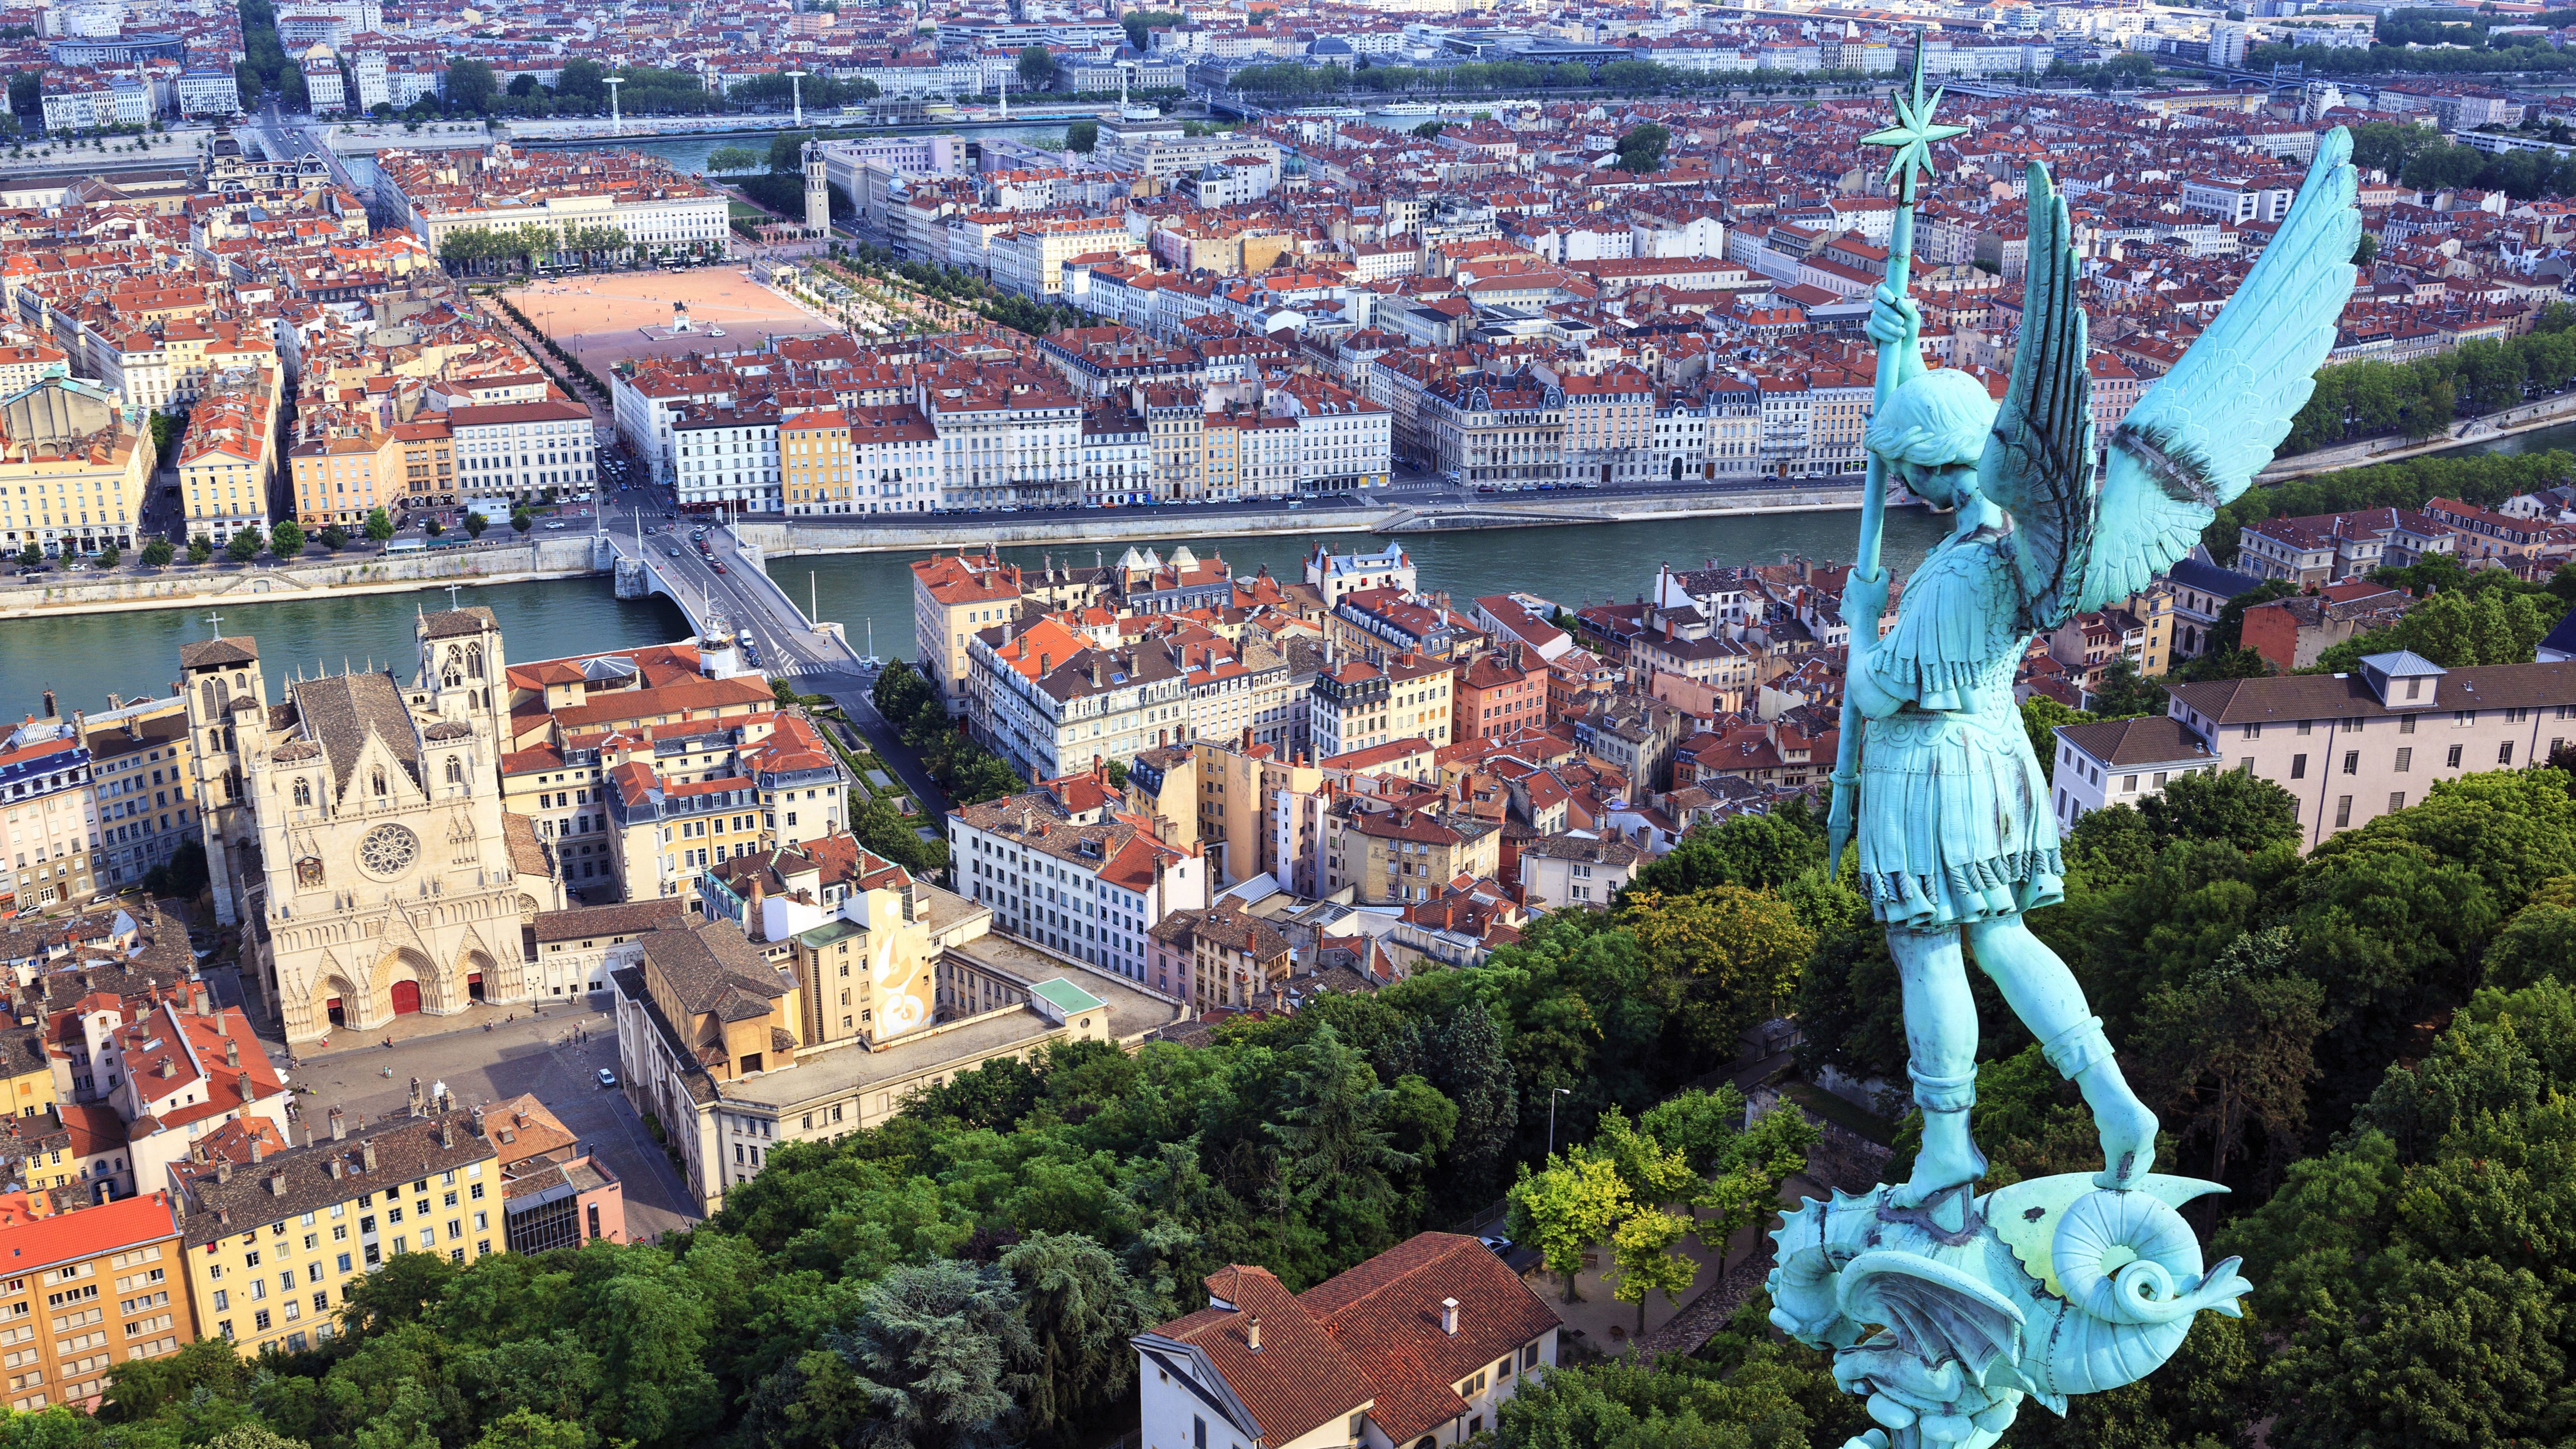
(789,537)
(583,555)
(183,587)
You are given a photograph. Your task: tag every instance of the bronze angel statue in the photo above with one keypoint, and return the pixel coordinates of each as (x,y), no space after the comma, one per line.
(1955,831)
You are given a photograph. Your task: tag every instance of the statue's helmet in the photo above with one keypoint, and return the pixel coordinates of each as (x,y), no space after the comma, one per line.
(1935,420)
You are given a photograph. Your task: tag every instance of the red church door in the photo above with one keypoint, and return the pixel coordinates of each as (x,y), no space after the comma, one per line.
(406,997)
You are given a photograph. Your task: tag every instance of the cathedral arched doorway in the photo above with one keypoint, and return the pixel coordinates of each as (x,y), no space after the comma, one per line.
(405,982)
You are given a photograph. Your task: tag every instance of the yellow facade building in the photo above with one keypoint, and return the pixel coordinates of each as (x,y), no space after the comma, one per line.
(74,467)
(272,1240)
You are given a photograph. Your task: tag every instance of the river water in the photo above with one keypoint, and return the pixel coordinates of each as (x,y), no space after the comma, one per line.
(85,658)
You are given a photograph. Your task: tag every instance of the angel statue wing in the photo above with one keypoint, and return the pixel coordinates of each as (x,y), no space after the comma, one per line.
(2197,439)
(2038,463)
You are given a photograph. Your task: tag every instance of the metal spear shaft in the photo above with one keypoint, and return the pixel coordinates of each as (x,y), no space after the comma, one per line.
(1911,137)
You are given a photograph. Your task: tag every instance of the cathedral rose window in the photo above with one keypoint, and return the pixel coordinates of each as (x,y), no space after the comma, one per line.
(388,850)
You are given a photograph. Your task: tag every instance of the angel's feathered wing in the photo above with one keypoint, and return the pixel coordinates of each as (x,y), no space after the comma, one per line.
(2039,462)
(2197,439)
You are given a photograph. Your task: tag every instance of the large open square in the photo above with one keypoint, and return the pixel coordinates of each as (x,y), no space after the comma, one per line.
(608,318)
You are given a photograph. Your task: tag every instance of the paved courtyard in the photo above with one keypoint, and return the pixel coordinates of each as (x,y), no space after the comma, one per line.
(521,1054)
(602,319)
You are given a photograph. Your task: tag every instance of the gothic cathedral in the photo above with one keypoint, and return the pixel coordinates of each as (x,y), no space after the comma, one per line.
(369,812)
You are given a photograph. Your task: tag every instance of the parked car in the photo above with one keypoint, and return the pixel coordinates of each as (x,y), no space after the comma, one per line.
(606,1078)
(719,568)
(672,549)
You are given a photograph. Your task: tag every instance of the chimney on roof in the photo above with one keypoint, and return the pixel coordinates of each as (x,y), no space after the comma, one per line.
(223,1169)
(367,1156)
(338,1167)
(478,1120)
(1252,1333)
(232,1052)
(1449,1316)
(447,1132)
(201,1000)
(339,1125)
(258,1145)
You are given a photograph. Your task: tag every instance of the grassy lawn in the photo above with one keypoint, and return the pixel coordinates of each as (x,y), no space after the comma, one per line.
(745,211)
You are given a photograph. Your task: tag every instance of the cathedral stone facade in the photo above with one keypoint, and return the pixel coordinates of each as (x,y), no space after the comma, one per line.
(392,881)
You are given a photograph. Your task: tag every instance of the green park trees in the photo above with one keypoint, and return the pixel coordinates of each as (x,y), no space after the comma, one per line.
(287,539)
(967,771)
(1642,149)
(1036,67)
(380,525)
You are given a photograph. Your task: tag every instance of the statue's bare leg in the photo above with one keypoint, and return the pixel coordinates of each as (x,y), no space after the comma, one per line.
(2044,995)
(1941,1057)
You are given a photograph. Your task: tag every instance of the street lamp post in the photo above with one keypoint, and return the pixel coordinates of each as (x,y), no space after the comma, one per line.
(1553,1094)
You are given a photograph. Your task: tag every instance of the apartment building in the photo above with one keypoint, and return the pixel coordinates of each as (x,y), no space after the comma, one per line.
(894,454)
(1348,708)
(1029,258)
(73,469)
(51,837)
(643,200)
(1059,867)
(141,754)
(1221,797)
(684,797)
(339,480)
(527,451)
(1498,694)
(228,455)
(85,1291)
(1344,441)
(1221,958)
(1010,439)
(1336,574)
(2350,748)
(2121,762)
(1395,856)
(816,461)
(954,597)
(1609,422)
(273,1237)
(1577,871)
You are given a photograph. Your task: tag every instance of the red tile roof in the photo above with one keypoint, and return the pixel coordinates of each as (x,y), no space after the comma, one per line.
(1371,1337)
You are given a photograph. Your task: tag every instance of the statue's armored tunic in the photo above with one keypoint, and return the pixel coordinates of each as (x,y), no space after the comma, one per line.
(1955,824)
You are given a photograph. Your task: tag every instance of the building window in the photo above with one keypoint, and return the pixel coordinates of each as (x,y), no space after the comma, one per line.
(2504,753)
(2396,801)
(2352,762)
(2298,767)
(2405,761)
(2343,811)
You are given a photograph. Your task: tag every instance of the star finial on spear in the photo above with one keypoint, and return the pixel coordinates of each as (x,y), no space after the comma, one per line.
(1912,136)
